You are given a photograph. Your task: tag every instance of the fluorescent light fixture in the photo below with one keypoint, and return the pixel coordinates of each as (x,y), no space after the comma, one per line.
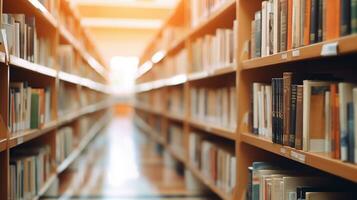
(144,68)
(158,56)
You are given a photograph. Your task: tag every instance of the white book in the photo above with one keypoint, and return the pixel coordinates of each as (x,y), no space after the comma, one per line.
(268,113)
(345,97)
(328,123)
(256,87)
(264,28)
(276,23)
(233,108)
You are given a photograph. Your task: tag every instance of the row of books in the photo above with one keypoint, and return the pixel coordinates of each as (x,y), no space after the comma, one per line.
(29,108)
(268,181)
(216,161)
(175,138)
(172,65)
(64,143)
(66,58)
(67,93)
(286,24)
(170,35)
(23,40)
(176,101)
(216,106)
(202,9)
(308,113)
(215,51)
(30,168)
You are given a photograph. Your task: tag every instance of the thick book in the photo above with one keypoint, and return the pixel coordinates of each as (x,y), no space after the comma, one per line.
(314,21)
(35,109)
(345,97)
(292,127)
(335,121)
(287,79)
(307,22)
(313,115)
(299,117)
(280,83)
(345,17)
(353,16)
(258,34)
(283,24)
(290,24)
(332,19)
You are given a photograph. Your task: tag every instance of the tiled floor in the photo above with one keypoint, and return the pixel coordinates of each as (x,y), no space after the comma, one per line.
(121,164)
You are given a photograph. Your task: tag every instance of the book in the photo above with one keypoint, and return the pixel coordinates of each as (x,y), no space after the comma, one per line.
(287,80)
(345,18)
(292,128)
(299,118)
(353,16)
(354,123)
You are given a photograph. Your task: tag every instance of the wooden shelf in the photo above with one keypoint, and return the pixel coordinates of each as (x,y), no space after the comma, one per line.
(207,182)
(172,81)
(33,67)
(217,16)
(148,109)
(175,117)
(218,131)
(43,12)
(68,37)
(317,160)
(83,144)
(152,133)
(25,136)
(213,73)
(176,155)
(46,186)
(3,144)
(346,45)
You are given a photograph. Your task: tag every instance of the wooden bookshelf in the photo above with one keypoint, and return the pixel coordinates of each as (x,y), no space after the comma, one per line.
(315,58)
(89,79)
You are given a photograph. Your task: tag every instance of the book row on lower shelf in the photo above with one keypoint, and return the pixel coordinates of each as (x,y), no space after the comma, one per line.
(29,108)
(286,24)
(176,139)
(310,112)
(215,159)
(64,143)
(270,181)
(30,168)
(216,106)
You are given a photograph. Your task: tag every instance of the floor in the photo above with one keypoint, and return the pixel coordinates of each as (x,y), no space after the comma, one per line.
(121,163)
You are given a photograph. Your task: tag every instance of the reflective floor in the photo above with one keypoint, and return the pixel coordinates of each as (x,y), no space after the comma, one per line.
(121,164)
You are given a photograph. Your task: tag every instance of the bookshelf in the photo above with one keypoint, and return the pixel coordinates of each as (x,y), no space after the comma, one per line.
(75,98)
(335,56)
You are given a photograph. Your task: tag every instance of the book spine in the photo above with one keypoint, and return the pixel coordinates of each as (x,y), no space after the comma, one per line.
(299,117)
(293,116)
(281,110)
(274,103)
(313,21)
(320,18)
(250,184)
(258,34)
(350,130)
(252,40)
(353,16)
(283,24)
(287,77)
(345,17)
(307,22)
(290,24)
(355,123)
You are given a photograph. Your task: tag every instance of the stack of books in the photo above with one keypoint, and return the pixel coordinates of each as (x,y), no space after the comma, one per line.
(216,106)
(216,161)
(314,113)
(29,108)
(286,24)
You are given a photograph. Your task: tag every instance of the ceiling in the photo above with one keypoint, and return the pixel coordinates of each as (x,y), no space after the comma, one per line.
(122,27)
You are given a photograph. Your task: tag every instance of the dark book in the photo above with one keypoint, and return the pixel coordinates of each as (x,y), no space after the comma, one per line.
(345,17)
(258,34)
(280,84)
(35,110)
(350,131)
(299,117)
(292,115)
(314,21)
(250,183)
(353,16)
(320,21)
(283,24)
(287,79)
(274,110)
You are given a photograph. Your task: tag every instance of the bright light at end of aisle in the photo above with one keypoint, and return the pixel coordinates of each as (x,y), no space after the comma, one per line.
(123,73)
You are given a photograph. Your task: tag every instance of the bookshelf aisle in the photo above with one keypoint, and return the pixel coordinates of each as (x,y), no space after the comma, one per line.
(245,85)
(54,94)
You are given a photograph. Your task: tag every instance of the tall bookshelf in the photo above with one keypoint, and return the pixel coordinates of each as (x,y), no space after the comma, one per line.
(80,99)
(159,77)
